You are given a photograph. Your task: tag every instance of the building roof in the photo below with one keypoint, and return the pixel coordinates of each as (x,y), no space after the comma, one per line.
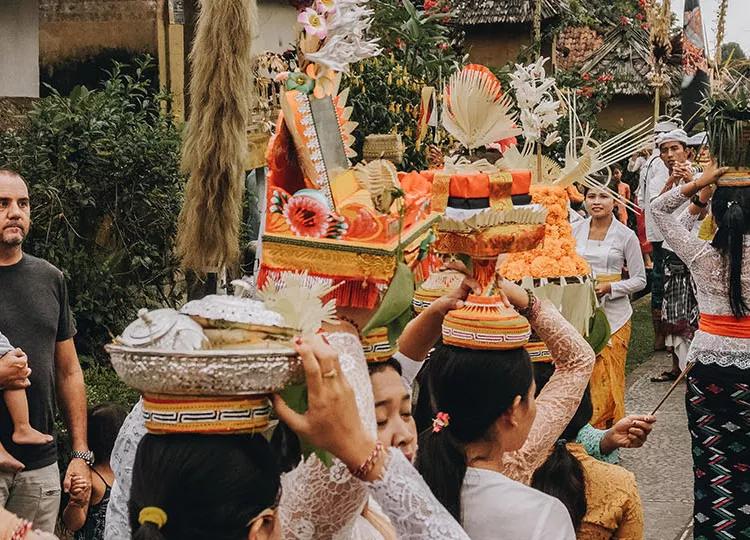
(471,12)
(626,55)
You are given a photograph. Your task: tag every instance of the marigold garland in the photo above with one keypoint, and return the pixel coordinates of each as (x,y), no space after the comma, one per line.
(557,256)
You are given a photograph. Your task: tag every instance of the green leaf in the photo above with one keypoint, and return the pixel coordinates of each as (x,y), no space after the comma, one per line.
(296,397)
(396,300)
(599,331)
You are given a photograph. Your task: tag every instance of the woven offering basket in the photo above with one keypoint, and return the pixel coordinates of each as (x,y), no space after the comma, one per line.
(388,146)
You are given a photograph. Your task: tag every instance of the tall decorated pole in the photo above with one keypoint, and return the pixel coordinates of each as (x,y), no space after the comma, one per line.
(659,14)
(215,147)
(695,78)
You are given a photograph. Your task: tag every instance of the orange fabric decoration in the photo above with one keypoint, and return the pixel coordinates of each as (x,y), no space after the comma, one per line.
(521,182)
(725,325)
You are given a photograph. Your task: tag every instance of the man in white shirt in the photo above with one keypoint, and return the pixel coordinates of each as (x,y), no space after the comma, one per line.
(679,310)
(654,174)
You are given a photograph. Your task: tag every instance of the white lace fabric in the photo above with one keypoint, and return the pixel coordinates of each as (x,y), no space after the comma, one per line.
(410,505)
(320,502)
(711,276)
(559,399)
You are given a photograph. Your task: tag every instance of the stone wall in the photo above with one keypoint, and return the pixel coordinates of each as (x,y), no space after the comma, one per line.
(19,68)
(72,29)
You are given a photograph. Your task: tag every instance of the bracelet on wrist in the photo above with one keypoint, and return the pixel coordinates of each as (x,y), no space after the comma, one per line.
(530,309)
(696,200)
(363,470)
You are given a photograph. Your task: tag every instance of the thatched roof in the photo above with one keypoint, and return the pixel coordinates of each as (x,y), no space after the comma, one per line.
(471,12)
(625,54)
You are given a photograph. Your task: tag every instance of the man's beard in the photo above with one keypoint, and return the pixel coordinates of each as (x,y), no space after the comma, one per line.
(12,242)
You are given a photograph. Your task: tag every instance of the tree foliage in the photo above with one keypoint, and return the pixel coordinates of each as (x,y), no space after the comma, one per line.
(732,51)
(102,168)
(421,49)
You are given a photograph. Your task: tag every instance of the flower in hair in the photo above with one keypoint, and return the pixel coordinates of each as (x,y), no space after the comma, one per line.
(441,420)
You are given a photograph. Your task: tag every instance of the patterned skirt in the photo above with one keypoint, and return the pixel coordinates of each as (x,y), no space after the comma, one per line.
(718,407)
(679,310)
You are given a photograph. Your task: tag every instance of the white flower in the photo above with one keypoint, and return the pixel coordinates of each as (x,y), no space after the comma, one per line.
(552,138)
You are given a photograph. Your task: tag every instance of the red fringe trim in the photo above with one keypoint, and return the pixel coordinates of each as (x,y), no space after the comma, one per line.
(356,293)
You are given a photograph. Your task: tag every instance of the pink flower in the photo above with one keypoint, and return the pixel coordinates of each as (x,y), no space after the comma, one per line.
(325,6)
(307,216)
(314,24)
(441,420)
(625,21)
(586,76)
(429,5)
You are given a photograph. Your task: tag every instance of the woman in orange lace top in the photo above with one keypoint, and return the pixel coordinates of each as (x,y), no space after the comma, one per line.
(602,498)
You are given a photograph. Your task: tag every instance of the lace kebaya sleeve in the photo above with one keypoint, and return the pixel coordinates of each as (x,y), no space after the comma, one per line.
(674,229)
(559,399)
(410,505)
(322,503)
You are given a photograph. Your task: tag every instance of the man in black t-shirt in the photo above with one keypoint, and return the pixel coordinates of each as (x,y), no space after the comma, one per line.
(35,316)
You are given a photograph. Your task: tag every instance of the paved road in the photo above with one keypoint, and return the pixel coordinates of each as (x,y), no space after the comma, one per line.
(663,467)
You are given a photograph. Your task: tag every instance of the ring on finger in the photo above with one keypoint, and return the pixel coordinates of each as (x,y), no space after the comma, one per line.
(330,374)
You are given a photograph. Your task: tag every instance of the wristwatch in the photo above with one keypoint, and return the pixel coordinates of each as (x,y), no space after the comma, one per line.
(697,201)
(87,456)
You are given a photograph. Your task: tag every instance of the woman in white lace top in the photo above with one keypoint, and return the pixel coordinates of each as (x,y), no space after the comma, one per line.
(719,383)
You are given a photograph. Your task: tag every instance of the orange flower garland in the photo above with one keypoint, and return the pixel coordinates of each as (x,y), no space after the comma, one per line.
(557,256)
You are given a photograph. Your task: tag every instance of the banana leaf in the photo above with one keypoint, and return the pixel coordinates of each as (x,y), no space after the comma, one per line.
(599,331)
(296,397)
(396,304)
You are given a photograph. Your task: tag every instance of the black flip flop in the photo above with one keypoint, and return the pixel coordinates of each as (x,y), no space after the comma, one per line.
(666,376)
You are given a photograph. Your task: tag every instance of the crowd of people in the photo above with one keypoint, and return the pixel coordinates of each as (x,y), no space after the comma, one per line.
(492,446)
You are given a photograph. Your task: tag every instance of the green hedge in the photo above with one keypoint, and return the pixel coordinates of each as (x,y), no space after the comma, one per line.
(102,167)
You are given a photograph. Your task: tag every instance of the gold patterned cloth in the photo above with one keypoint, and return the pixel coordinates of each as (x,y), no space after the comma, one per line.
(608,380)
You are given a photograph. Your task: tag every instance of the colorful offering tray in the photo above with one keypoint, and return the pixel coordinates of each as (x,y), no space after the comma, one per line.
(485,323)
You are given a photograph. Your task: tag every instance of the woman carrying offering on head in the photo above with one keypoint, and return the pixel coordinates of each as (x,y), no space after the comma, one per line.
(490,433)
(609,246)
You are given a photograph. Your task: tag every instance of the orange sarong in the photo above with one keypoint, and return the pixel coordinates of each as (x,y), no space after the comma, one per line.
(608,380)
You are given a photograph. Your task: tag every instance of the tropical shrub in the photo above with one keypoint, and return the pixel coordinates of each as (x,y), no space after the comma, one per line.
(102,168)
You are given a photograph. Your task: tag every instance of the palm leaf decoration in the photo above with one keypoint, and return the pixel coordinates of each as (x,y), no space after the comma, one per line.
(380,178)
(475,112)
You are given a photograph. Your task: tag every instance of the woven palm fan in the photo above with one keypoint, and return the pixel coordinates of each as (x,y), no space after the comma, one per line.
(474,110)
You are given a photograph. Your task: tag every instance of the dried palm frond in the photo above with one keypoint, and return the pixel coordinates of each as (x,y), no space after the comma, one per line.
(474,112)
(515,159)
(490,218)
(594,157)
(215,147)
(298,298)
(659,18)
(380,178)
